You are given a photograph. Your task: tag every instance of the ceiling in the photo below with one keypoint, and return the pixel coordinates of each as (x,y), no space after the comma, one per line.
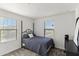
(36,10)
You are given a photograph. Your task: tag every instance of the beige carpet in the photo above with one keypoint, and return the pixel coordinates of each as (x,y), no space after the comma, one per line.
(26,52)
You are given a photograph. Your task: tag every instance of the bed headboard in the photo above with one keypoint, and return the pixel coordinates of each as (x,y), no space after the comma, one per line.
(27,31)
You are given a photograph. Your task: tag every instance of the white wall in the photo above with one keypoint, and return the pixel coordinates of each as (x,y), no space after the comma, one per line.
(65,24)
(15,44)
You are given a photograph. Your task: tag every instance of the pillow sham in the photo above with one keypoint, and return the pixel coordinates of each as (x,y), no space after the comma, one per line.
(30,35)
(25,36)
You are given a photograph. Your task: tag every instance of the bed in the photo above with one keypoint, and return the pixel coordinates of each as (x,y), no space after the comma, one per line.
(38,44)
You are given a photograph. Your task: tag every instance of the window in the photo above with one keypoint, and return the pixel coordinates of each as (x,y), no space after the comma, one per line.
(49,24)
(49,28)
(7,29)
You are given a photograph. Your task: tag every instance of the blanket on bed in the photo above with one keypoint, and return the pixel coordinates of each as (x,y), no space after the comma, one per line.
(39,44)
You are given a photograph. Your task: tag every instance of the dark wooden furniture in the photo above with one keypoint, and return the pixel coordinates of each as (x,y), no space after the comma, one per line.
(70,48)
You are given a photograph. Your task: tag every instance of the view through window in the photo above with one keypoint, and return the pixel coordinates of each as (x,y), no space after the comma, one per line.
(49,28)
(7,29)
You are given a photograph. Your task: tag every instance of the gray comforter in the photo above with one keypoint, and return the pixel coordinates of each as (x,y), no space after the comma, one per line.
(38,44)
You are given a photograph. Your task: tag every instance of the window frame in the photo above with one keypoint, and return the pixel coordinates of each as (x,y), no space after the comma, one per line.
(9,29)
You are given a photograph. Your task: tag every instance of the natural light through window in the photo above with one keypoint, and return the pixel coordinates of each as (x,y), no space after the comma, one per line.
(7,29)
(49,28)
(49,24)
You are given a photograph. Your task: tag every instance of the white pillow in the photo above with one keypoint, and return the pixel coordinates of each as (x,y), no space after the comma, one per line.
(30,35)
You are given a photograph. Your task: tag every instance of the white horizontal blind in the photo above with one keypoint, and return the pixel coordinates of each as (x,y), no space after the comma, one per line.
(7,29)
(50,33)
(49,29)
